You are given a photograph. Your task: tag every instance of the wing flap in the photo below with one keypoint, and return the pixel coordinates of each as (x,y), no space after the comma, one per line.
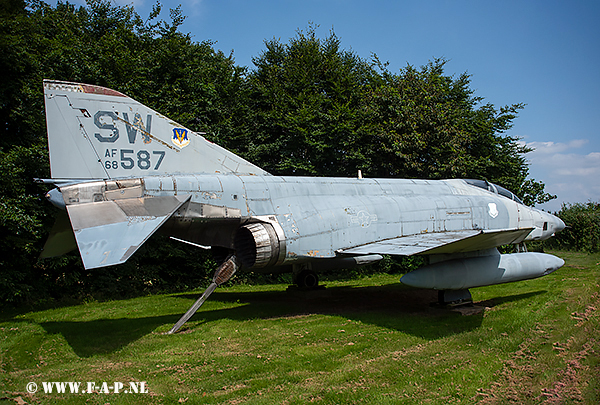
(109,232)
(441,242)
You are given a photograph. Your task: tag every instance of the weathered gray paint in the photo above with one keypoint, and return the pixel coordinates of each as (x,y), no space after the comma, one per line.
(319,217)
(491,269)
(141,172)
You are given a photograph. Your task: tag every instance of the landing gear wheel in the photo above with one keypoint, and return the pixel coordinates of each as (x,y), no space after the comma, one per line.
(307,279)
(454,297)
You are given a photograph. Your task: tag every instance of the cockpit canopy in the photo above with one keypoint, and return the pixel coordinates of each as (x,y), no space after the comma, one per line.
(494,188)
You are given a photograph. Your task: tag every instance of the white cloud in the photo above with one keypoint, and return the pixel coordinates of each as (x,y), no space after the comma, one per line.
(573,177)
(547,148)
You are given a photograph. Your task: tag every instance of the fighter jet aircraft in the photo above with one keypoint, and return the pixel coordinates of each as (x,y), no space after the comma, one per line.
(124,171)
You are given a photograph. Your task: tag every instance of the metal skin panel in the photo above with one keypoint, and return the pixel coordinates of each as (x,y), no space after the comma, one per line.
(443,242)
(316,216)
(96,214)
(481,271)
(316,212)
(109,232)
(113,243)
(413,244)
(142,172)
(322,217)
(117,137)
(61,239)
(319,218)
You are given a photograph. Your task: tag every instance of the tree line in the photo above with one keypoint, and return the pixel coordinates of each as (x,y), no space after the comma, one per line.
(307,107)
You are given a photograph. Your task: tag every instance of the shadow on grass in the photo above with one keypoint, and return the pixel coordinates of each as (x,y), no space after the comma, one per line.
(104,336)
(392,306)
(492,302)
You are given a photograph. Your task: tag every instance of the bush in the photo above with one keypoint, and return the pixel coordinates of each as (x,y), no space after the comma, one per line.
(583,228)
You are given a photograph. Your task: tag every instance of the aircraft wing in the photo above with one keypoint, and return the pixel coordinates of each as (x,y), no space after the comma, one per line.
(441,242)
(109,232)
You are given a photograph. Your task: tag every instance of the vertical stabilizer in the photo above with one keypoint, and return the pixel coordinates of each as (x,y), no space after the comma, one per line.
(99,133)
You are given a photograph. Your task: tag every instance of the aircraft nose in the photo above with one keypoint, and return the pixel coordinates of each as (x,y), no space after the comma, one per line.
(559,225)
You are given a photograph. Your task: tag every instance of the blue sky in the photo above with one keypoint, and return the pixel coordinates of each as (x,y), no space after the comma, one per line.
(545,54)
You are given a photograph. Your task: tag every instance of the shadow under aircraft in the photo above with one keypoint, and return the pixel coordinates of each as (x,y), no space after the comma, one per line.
(396,307)
(123,172)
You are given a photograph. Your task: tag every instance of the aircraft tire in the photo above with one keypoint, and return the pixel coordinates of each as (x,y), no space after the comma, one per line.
(307,279)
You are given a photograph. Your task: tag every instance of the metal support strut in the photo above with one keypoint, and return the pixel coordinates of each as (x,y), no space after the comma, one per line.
(454,298)
(223,273)
(521,248)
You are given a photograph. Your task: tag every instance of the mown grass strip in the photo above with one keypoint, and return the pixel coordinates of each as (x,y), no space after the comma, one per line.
(371,340)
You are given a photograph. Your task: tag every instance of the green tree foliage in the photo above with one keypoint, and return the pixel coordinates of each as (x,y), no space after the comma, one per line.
(23,215)
(306,103)
(308,108)
(583,228)
(111,46)
(430,126)
(317,109)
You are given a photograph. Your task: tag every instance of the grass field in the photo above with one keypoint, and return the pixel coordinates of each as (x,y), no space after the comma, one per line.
(370,340)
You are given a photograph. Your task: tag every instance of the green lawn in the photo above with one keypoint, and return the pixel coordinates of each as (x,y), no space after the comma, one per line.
(371,340)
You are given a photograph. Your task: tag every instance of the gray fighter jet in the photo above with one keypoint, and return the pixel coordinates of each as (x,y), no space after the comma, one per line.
(124,171)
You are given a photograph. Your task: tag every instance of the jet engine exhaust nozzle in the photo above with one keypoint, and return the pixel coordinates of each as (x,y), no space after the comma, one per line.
(257,245)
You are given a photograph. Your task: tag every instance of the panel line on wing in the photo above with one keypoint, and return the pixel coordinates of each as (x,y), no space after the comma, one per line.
(441,242)
(109,232)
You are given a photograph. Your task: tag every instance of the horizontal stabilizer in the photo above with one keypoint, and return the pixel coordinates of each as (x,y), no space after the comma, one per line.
(442,242)
(109,232)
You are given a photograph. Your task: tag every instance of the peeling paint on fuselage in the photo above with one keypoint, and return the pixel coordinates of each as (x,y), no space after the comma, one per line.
(324,214)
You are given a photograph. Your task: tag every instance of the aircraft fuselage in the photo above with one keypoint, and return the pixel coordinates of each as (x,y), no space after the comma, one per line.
(313,217)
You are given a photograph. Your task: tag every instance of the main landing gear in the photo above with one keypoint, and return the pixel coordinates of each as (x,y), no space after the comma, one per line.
(304,277)
(454,297)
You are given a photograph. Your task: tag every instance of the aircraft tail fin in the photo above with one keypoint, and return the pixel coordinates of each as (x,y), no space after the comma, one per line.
(98,133)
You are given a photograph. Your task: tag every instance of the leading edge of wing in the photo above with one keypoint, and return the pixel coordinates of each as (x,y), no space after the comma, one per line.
(109,232)
(441,242)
